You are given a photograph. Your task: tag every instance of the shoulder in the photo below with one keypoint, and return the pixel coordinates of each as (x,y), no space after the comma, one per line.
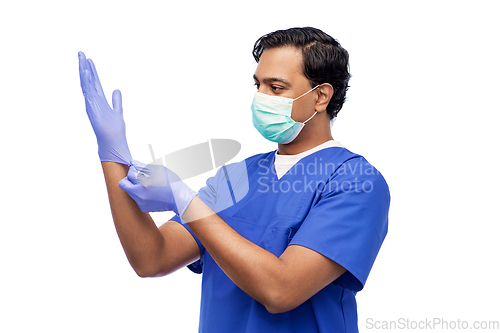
(349,170)
(247,165)
(252,159)
(352,164)
(255,159)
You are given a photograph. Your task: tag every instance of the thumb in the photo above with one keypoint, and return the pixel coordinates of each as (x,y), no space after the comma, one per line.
(132,175)
(126,185)
(117,101)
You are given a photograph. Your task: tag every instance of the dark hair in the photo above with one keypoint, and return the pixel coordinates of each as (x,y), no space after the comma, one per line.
(325,61)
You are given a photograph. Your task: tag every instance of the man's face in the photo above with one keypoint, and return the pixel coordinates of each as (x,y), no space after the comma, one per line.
(279,73)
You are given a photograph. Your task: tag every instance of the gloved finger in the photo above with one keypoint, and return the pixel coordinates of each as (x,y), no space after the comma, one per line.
(132,175)
(139,166)
(132,190)
(148,175)
(139,173)
(85,83)
(155,175)
(126,185)
(95,79)
(82,66)
(145,176)
(117,101)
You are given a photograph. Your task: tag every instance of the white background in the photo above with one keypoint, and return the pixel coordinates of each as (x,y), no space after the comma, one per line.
(423,108)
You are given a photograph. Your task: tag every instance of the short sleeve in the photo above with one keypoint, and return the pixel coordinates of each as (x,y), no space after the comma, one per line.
(348,220)
(197,266)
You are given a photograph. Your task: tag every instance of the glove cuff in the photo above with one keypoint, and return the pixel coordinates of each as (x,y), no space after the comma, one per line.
(183,196)
(187,202)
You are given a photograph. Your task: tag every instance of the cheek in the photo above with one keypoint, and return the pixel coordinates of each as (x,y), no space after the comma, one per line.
(303,109)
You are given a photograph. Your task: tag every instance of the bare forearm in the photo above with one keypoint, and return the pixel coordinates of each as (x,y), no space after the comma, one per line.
(280,284)
(139,235)
(256,271)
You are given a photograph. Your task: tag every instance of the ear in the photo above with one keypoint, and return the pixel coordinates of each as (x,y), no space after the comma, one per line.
(324,93)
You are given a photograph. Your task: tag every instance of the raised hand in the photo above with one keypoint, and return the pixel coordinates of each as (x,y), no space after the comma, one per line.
(107,122)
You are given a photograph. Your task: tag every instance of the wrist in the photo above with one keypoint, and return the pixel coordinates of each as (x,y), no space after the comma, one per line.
(118,153)
(183,196)
(187,204)
(196,210)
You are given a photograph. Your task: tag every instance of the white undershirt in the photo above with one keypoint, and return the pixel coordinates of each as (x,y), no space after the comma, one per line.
(283,163)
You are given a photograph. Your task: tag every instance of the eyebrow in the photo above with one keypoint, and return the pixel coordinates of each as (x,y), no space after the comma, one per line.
(273,79)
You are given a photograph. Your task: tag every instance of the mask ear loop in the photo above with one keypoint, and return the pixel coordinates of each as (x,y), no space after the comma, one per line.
(304,95)
(306,92)
(310,117)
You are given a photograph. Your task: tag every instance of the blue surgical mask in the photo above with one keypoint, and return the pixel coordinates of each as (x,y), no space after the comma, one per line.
(272,117)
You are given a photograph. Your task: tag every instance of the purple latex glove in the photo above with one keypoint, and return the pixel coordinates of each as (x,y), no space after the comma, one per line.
(156,189)
(107,122)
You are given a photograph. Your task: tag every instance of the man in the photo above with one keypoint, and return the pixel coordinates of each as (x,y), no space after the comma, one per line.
(284,239)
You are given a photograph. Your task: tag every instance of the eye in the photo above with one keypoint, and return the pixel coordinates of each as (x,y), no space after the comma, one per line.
(257,85)
(276,88)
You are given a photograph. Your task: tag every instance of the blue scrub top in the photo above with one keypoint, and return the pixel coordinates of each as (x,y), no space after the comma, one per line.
(332,201)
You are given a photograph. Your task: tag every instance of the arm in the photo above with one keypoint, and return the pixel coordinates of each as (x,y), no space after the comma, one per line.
(280,284)
(151,251)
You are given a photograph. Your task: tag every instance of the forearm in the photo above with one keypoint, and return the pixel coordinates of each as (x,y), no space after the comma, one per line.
(141,240)
(256,271)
